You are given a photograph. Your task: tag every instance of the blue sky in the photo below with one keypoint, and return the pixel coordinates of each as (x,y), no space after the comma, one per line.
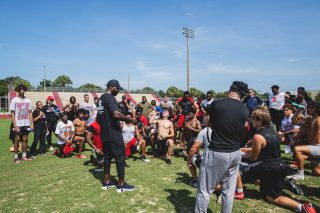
(262,42)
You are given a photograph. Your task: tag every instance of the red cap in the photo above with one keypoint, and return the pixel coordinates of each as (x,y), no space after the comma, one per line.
(50,98)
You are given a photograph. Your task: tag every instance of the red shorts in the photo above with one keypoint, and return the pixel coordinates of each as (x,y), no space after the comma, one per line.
(132,143)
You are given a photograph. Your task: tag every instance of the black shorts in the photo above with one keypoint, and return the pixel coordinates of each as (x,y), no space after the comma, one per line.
(113,148)
(189,144)
(23,130)
(161,147)
(272,177)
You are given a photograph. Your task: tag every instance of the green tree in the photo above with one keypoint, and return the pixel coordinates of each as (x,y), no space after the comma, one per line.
(161,94)
(195,92)
(222,94)
(174,92)
(48,83)
(148,90)
(264,95)
(89,86)
(62,81)
(317,97)
(12,82)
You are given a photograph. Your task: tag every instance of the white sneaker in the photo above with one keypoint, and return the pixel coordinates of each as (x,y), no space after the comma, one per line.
(296,177)
(144,159)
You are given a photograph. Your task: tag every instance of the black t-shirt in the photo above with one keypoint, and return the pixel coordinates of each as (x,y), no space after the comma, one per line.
(228,116)
(51,113)
(272,149)
(41,122)
(109,127)
(123,107)
(186,105)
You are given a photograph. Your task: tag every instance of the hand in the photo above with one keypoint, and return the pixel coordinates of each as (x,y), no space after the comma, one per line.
(41,113)
(16,129)
(99,151)
(189,161)
(31,127)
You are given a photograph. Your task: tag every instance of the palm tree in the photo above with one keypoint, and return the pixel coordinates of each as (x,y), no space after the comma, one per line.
(62,81)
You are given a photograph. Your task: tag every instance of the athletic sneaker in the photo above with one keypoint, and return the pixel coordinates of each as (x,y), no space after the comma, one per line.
(33,157)
(125,187)
(17,160)
(308,208)
(292,185)
(81,156)
(144,159)
(239,195)
(193,183)
(297,177)
(26,159)
(168,161)
(108,186)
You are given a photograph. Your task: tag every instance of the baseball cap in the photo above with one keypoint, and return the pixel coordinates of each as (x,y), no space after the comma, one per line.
(50,98)
(114,83)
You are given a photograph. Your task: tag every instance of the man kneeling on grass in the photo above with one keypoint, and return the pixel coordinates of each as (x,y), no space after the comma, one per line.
(65,134)
(268,165)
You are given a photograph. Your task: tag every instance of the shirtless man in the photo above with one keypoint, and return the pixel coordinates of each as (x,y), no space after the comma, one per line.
(80,130)
(165,135)
(311,133)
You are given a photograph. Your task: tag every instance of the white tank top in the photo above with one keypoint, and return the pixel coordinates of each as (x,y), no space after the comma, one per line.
(128,133)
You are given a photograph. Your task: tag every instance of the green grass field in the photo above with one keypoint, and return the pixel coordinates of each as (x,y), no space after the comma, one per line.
(51,184)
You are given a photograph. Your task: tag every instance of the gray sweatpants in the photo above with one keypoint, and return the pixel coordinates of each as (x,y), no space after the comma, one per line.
(217,167)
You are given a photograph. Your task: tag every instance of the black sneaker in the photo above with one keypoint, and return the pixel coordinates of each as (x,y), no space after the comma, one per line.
(292,185)
(168,161)
(193,183)
(125,187)
(106,186)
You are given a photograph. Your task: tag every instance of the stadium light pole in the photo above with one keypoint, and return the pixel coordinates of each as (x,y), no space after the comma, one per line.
(189,34)
(44,78)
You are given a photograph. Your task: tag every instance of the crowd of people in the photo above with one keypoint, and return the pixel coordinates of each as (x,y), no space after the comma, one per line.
(231,140)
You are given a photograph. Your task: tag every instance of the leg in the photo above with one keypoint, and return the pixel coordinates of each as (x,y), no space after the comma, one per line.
(301,153)
(193,171)
(229,182)
(37,134)
(316,169)
(24,143)
(120,162)
(143,146)
(170,148)
(43,142)
(212,169)
(283,202)
(50,129)
(107,157)
(16,144)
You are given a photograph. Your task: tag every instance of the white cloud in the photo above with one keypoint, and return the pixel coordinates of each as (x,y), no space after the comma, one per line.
(293,59)
(158,46)
(229,69)
(141,65)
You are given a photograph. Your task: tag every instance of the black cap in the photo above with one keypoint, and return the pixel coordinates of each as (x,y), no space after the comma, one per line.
(114,83)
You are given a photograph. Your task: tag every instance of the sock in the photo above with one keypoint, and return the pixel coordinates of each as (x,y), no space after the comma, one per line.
(24,154)
(16,156)
(301,172)
(299,208)
(239,190)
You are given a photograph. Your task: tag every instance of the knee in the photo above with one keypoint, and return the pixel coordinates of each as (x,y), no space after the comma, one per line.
(170,142)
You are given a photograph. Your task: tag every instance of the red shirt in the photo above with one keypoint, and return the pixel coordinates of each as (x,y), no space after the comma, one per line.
(95,129)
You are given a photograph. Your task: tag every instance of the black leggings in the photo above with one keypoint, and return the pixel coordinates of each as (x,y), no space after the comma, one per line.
(276,117)
(51,128)
(39,134)
(114,149)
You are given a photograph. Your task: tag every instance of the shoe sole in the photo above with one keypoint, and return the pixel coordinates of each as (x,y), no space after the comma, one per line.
(107,187)
(124,190)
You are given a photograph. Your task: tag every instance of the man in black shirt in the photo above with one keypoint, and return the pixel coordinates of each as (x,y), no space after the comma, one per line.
(221,161)
(40,130)
(109,116)
(50,111)
(124,105)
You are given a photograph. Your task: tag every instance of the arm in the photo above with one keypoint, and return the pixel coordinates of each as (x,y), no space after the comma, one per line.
(258,142)
(89,137)
(31,119)
(14,124)
(171,131)
(119,116)
(152,121)
(194,150)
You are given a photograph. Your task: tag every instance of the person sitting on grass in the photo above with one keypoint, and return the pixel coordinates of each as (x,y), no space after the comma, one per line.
(22,122)
(165,134)
(309,132)
(80,132)
(93,138)
(132,139)
(65,134)
(287,128)
(268,165)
